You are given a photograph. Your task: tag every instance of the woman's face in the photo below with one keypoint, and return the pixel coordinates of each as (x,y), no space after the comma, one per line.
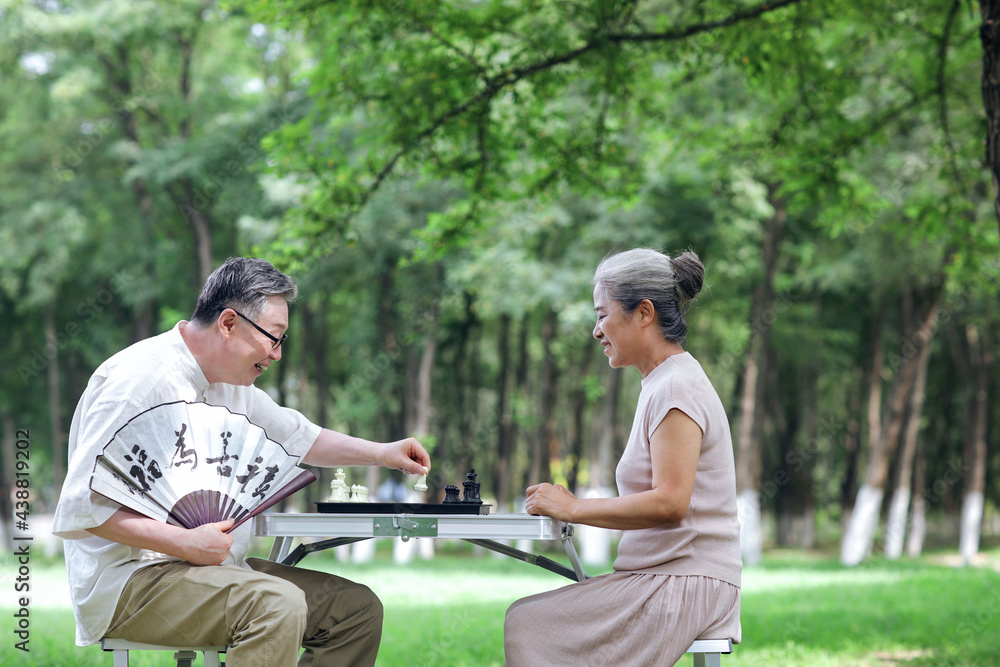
(614,329)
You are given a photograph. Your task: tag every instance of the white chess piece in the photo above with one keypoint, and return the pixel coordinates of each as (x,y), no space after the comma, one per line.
(338,488)
(355,494)
(362,494)
(421,484)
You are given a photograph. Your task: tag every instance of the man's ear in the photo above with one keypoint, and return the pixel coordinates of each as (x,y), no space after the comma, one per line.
(226,322)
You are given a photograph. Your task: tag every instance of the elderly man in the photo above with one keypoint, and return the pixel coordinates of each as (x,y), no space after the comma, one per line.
(139,579)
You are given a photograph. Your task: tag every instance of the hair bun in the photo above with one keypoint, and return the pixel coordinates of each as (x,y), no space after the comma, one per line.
(689,274)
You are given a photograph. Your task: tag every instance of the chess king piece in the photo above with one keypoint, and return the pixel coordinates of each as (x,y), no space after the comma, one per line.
(338,488)
(451,494)
(471,487)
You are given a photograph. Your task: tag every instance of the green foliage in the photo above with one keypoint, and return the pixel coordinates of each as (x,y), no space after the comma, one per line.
(431,173)
(661,125)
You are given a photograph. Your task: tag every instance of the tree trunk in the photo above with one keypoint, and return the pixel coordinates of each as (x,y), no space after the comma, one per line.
(116,69)
(795,520)
(198,217)
(502,477)
(547,447)
(418,417)
(195,212)
(874,410)
(989,34)
(578,412)
(852,446)
(59,443)
(602,466)
(918,525)
(315,340)
(981,362)
(7,482)
(465,370)
(520,391)
(860,534)
(387,358)
(896,527)
(748,459)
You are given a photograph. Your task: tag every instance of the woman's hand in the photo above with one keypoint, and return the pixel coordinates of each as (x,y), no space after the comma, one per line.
(674,449)
(553,500)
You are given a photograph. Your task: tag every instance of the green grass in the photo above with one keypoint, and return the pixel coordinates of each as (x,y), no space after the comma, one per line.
(903,613)
(797,610)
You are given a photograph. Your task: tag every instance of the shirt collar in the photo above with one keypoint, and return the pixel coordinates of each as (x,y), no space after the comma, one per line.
(188,364)
(663,368)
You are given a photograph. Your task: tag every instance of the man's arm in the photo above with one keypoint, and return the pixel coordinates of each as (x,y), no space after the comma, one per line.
(204,545)
(337,449)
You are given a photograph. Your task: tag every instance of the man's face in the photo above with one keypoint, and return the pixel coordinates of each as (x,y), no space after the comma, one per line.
(251,352)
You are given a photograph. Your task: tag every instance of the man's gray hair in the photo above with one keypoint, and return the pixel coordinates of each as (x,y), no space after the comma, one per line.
(243,284)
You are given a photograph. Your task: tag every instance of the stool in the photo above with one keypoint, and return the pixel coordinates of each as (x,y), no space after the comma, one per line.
(708,652)
(183,655)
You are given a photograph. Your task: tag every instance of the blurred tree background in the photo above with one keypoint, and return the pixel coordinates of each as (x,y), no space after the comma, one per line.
(441,180)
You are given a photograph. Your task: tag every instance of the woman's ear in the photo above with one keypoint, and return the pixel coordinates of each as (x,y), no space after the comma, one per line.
(646,313)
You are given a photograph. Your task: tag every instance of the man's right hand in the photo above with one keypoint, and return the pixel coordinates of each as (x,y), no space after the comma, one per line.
(205,545)
(208,544)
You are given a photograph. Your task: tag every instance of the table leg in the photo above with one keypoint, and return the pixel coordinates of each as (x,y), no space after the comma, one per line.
(574,559)
(304,550)
(280,549)
(534,559)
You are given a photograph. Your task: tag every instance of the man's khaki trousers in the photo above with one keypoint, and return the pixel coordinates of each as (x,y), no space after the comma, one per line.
(265,615)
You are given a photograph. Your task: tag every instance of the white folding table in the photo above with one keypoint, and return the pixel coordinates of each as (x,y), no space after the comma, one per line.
(482,529)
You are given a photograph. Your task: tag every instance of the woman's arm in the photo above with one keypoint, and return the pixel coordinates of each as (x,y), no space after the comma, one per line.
(674,448)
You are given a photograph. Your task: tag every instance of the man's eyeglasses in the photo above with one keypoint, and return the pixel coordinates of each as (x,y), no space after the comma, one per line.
(275,342)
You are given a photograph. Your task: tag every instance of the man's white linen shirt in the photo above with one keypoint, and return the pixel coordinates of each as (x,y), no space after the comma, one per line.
(157,370)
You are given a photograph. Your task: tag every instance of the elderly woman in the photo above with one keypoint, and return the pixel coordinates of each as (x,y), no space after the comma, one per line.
(677,574)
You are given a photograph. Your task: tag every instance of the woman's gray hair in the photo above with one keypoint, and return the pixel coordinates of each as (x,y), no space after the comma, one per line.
(631,276)
(244,284)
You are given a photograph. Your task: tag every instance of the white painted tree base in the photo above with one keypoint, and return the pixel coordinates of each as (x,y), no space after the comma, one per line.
(972,522)
(403,552)
(425,548)
(860,533)
(895,529)
(751,530)
(363,551)
(595,543)
(918,528)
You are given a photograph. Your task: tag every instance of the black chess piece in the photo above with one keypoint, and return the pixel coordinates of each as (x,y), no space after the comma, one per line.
(471,487)
(451,494)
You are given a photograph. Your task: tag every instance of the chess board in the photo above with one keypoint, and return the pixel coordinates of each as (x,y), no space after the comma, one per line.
(402,508)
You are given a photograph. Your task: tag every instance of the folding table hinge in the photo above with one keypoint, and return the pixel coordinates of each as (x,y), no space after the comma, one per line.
(404,527)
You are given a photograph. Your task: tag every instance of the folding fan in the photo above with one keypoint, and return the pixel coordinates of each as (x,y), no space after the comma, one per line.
(190,464)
